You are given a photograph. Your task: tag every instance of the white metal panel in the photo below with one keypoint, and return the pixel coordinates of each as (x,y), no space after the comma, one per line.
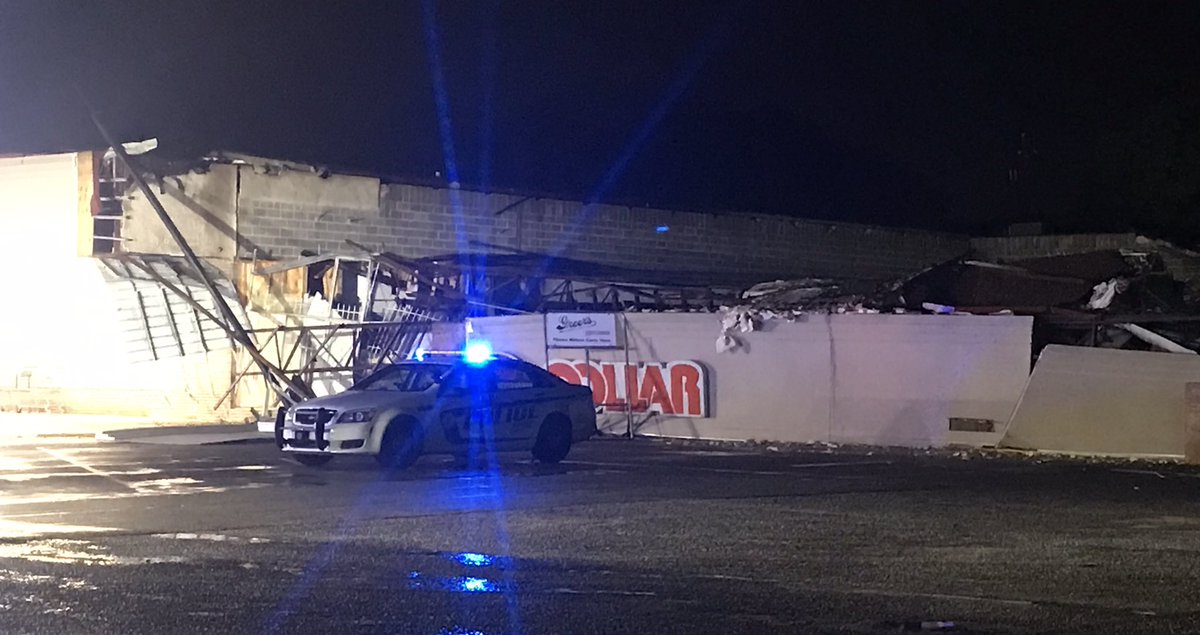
(1104,401)
(38,208)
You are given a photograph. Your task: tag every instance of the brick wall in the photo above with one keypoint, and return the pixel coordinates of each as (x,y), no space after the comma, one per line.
(420,221)
(1022,247)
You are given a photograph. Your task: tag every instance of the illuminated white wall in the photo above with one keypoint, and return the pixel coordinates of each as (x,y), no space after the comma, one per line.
(870,379)
(49,288)
(61,332)
(38,209)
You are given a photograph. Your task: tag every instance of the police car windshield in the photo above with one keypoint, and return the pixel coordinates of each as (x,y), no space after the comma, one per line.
(404,378)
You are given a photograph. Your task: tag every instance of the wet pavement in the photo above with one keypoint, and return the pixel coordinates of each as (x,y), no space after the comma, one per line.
(626,536)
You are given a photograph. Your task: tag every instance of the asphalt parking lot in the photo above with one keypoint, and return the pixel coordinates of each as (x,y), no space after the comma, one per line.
(625,537)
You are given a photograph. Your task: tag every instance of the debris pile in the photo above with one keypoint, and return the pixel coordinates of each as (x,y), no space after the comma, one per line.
(1094,298)
(790,299)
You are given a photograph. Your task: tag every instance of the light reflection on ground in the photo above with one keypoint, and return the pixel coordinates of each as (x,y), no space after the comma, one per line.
(61,551)
(17,529)
(210,537)
(471,559)
(36,476)
(454,584)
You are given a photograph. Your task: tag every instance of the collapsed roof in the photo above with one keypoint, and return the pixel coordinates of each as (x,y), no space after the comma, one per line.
(1091,298)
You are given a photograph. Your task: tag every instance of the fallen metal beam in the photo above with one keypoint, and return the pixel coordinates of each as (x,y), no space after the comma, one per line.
(396,263)
(1154,339)
(284,386)
(305,262)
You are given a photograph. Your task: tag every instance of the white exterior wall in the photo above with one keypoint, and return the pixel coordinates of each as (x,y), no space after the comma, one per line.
(64,336)
(871,379)
(38,209)
(50,287)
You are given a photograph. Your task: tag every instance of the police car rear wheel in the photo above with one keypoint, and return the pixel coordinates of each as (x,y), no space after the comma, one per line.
(553,440)
(401,444)
(312,460)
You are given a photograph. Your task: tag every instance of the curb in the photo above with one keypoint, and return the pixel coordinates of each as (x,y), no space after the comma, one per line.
(163,431)
(186,435)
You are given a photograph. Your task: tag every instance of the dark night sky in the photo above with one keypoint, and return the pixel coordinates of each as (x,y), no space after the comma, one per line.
(897,113)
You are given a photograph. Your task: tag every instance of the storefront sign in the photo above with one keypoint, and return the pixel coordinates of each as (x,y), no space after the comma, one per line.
(675,388)
(581,330)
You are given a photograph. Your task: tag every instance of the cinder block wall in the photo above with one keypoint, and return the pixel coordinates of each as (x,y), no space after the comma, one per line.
(420,221)
(1022,247)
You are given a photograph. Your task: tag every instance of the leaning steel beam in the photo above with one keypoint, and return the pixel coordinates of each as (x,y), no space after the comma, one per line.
(283,385)
(376,324)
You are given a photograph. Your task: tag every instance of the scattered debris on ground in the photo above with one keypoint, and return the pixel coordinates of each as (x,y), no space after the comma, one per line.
(1145,465)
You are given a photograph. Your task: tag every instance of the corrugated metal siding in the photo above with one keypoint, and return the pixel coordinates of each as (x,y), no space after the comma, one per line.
(155,322)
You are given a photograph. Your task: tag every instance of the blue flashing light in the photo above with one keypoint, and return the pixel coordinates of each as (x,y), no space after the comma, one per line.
(478,353)
(419,355)
(662,229)
(474,559)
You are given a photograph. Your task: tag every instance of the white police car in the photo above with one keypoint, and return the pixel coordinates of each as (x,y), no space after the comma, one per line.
(462,405)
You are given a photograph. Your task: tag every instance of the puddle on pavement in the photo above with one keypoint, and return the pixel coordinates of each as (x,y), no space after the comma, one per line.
(483,573)
(18,529)
(13,464)
(211,538)
(63,551)
(35,476)
(65,497)
(455,584)
(19,577)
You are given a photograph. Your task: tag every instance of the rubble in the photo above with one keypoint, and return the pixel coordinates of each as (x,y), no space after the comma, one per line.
(1163,466)
(791,299)
(1103,293)
(1101,298)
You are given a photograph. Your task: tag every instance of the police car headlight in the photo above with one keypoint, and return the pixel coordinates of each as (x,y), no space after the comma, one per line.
(357,416)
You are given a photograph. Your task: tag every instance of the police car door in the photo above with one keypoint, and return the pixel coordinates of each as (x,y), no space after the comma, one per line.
(465,409)
(517,401)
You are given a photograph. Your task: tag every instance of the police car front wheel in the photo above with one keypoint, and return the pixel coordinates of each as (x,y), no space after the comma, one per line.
(401,444)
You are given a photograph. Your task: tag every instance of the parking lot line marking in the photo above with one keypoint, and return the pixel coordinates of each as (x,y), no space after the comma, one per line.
(718,470)
(66,458)
(840,463)
(940,596)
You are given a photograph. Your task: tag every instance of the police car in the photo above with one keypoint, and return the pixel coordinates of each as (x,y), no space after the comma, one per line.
(462,404)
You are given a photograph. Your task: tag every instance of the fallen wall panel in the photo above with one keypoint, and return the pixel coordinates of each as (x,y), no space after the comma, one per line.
(1105,402)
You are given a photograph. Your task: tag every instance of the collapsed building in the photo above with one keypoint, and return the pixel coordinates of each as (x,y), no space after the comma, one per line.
(1143,297)
(308,278)
(117,297)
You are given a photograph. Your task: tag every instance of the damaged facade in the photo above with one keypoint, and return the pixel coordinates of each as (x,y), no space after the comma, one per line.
(251,220)
(333,274)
